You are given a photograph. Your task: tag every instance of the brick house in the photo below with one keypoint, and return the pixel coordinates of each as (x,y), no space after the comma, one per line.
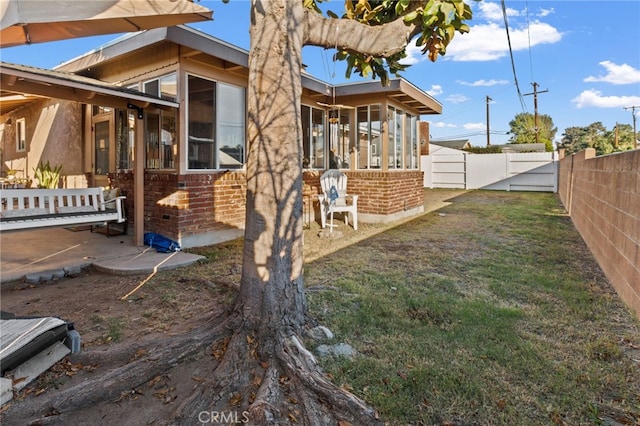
(171,101)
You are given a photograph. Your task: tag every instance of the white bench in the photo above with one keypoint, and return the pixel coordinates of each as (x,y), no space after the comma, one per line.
(34,208)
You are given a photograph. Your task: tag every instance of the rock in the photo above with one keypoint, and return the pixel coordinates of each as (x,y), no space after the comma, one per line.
(320,332)
(340,349)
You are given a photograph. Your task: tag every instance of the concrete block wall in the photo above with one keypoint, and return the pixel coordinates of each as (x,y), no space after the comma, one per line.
(602,195)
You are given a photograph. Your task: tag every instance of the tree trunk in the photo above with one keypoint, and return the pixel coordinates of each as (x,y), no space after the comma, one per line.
(264,375)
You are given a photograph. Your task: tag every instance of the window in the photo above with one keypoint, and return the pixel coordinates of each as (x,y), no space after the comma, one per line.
(216,125)
(165,87)
(369,144)
(160,139)
(21,135)
(313,137)
(403,140)
(230,126)
(411,142)
(340,138)
(395,124)
(125,138)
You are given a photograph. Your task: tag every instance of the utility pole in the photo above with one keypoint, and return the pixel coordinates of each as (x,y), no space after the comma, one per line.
(535,106)
(633,115)
(488,139)
(615,140)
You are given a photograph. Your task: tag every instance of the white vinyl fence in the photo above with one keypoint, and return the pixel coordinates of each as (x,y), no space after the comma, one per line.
(451,168)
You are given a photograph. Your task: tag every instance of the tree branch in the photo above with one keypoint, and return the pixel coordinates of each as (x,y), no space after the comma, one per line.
(346,34)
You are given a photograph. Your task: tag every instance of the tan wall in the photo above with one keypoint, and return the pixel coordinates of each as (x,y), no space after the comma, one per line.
(602,195)
(53,133)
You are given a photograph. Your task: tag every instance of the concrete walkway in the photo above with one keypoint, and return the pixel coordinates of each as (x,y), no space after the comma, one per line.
(48,253)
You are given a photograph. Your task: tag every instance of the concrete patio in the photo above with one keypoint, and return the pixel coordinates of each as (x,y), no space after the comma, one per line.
(49,253)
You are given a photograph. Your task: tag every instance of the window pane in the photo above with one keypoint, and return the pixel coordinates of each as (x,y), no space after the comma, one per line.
(410,142)
(305,118)
(201,149)
(392,129)
(101,129)
(399,123)
(125,123)
(375,134)
(168,146)
(152,140)
(340,138)
(231,126)
(317,138)
(21,135)
(362,142)
(151,87)
(169,87)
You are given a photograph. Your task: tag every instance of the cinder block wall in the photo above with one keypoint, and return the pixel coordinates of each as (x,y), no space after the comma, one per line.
(602,195)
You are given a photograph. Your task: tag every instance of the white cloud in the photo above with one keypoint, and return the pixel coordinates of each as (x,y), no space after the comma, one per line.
(457,99)
(594,98)
(617,74)
(435,90)
(442,125)
(488,42)
(474,126)
(546,12)
(483,83)
(493,11)
(414,55)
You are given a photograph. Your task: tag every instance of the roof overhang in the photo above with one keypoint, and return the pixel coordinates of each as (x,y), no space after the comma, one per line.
(20,84)
(398,89)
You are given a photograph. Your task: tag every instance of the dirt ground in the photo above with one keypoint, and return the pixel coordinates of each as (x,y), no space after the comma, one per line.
(170,304)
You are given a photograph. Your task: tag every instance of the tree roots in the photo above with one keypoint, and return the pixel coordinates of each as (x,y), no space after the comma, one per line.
(283,385)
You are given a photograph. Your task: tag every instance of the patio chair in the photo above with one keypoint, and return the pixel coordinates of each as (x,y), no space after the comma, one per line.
(335,199)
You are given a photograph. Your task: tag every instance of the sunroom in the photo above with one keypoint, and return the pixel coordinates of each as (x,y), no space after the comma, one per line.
(193,188)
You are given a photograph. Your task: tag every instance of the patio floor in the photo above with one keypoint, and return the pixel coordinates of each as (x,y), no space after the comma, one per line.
(47,253)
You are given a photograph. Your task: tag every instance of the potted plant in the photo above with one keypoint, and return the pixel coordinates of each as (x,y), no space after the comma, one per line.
(48,177)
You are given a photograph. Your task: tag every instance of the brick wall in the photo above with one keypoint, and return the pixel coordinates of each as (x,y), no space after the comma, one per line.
(379,193)
(181,206)
(602,195)
(186,205)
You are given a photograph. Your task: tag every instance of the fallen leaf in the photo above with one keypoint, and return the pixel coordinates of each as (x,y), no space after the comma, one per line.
(344,423)
(19,380)
(198,379)
(235,399)
(155,380)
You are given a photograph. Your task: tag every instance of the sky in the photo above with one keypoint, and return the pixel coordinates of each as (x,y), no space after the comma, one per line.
(583,56)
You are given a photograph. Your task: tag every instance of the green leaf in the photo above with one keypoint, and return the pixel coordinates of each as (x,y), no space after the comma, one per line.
(410,16)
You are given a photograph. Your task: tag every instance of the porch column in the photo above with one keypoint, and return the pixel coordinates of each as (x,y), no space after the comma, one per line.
(138,185)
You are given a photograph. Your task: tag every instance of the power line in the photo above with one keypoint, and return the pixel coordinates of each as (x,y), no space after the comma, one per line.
(513,64)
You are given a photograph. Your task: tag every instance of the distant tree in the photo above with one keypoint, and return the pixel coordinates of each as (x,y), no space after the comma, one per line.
(598,137)
(523,129)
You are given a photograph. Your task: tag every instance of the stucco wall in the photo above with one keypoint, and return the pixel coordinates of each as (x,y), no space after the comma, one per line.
(602,195)
(53,133)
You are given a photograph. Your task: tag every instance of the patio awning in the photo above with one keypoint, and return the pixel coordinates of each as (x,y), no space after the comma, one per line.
(37,21)
(21,84)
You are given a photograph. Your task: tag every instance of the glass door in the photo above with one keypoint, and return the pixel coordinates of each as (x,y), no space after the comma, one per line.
(103,149)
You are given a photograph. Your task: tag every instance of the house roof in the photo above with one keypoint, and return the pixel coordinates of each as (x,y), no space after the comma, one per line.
(452,143)
(524,147)
(21,84)
(200,46)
